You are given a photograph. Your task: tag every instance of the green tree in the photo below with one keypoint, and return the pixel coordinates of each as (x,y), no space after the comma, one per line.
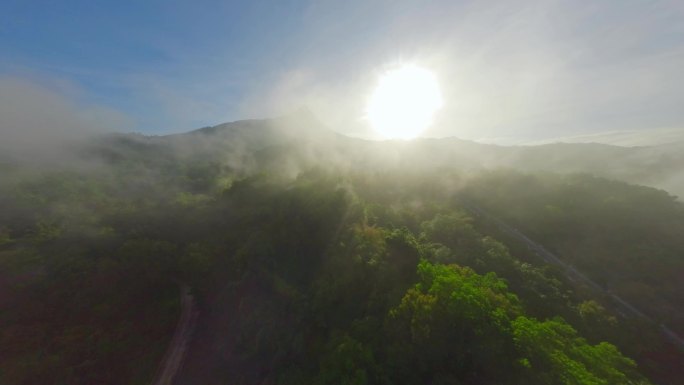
(454,324)
(555,354)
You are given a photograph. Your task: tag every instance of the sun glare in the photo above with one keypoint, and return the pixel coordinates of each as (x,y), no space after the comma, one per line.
(404,102)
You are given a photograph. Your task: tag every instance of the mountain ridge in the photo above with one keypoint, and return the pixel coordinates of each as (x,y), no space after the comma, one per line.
(300,138)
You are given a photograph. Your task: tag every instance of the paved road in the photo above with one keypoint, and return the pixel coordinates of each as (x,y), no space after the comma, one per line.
(175,353)
(624,307)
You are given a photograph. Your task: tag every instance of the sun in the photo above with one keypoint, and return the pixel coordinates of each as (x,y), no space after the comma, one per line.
(404,102)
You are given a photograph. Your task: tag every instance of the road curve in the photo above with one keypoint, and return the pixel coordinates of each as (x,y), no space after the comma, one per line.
(173,358)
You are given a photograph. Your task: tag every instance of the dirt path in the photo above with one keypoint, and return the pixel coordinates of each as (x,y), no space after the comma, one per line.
(175,353)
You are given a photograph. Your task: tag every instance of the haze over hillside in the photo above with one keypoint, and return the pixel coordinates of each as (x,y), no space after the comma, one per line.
(660,166)
(298,249)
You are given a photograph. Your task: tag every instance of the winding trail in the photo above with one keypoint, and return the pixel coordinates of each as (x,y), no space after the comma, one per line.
(624,307)
(175,353)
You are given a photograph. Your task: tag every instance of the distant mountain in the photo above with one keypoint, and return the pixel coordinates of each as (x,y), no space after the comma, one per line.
(294,142)
(654,137)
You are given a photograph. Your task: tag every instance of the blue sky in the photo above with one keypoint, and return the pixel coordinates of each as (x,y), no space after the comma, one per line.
(148,59)
(527,70)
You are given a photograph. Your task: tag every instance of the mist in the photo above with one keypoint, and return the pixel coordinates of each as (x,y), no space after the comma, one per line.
(41,123)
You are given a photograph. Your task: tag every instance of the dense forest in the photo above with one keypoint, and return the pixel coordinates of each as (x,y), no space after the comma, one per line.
(316,262)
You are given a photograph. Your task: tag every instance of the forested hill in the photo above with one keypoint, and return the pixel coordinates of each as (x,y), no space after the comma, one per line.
(316,258)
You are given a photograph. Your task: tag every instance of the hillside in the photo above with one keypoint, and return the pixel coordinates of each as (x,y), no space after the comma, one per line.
(318,258)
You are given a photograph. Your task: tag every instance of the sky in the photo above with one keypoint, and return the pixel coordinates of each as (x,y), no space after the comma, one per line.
(509,71)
